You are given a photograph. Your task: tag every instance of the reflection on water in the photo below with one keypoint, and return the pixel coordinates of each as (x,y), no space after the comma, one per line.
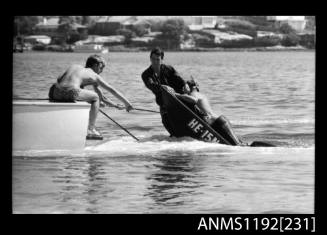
(174,177)
(203,181)
(84,179)
(95,185)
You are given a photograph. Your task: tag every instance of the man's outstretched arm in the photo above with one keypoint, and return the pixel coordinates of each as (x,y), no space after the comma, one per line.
(105,100)
(115,92)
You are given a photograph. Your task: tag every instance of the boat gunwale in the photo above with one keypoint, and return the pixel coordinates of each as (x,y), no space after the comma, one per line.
(48,103)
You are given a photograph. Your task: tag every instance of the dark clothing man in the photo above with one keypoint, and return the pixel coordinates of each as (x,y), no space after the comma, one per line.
(160,74)
(168,76)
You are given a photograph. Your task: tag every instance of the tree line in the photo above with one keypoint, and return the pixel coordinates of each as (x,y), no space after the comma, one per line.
(175,31)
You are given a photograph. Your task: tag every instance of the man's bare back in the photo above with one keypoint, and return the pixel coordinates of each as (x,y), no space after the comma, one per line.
(77,76)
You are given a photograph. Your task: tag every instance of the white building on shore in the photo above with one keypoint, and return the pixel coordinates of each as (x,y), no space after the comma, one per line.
(38,39)
(193,22)
(296,22)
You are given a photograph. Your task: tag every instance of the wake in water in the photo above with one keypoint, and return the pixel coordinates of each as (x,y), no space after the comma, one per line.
(154,144)
(161,143)
(157,145)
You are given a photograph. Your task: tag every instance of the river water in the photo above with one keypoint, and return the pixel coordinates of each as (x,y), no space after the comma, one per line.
(267,96)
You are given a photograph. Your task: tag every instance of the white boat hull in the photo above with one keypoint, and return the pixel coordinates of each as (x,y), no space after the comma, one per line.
(91,48)
(49,126)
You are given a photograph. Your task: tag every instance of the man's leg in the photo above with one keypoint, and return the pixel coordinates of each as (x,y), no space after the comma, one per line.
(92,98)
(204,105)
(224,128)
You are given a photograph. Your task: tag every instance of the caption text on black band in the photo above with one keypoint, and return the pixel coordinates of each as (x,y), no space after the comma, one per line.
(271,223)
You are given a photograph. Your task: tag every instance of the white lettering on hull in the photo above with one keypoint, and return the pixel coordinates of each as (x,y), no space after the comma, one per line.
(205,135)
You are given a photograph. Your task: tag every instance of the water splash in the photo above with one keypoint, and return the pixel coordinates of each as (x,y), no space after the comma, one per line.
(158,145)
(154,144)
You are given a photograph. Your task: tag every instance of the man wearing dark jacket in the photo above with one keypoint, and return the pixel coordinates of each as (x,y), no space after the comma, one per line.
(158,74)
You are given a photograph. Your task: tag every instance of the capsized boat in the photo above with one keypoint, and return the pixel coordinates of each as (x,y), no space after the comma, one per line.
(186,123)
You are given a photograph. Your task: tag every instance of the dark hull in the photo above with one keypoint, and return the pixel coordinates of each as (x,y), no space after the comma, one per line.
(186,123)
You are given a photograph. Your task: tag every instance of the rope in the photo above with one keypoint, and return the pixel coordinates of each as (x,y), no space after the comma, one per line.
(118,124)
(146,110)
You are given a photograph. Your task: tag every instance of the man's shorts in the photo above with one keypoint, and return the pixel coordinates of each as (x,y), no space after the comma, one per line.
(62,94)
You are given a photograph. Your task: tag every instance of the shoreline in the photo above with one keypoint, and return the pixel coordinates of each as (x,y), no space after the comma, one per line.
(195,49)
(216,49)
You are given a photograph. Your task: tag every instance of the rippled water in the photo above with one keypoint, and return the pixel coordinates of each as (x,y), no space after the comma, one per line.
(266,95)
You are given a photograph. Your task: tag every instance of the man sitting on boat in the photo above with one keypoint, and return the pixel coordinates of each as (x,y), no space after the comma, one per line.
(158,74)
(200,105)
(69,88)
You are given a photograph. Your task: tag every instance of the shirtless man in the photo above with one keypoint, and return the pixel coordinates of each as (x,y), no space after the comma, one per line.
(69,88)
(220,123)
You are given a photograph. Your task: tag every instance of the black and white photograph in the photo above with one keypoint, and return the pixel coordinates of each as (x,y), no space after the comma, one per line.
(155,114)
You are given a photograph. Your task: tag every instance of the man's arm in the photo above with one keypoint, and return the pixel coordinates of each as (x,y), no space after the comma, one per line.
(150,83)
(177,81)
(115,92)
(187,98)
(105,99)
(99,92)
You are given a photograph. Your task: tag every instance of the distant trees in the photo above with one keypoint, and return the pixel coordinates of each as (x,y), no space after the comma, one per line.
(257,20)
(86,20)
(267,41)
(23,25)
(155,25)
(308,40)
(68,29)
(140,30)
(173,31)
(241,26)
(127,33)
(237,43)
(137,30)
(290,40)
(286,29)
(203,39)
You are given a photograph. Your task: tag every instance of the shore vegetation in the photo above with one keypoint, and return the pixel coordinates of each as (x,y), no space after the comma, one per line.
(242,32)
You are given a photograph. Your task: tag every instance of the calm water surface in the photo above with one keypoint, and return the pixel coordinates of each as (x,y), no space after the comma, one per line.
(266,95)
